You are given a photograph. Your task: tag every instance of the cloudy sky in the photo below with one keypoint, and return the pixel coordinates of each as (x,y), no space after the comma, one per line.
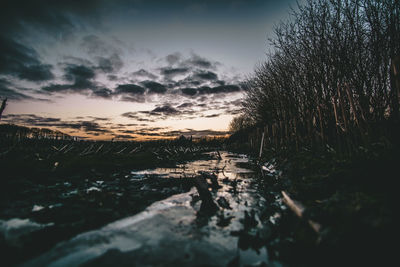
(131,68)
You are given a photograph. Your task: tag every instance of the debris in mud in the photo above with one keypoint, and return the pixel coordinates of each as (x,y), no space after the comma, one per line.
(204,220)
(223,203)
(208,205)
(223,220)
(174,231)
(212,177)
(69,208)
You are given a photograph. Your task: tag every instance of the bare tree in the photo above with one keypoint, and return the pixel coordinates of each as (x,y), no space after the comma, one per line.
(333,77)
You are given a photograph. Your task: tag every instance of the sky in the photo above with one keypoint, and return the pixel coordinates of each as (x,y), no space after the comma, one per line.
(131,69)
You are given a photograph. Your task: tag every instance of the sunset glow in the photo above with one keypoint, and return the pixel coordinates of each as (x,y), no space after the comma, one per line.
(131,69)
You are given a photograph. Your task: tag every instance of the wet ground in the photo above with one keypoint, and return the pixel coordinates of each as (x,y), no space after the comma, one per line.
(173,231)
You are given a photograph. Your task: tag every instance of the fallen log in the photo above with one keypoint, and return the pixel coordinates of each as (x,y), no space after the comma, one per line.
(298,209)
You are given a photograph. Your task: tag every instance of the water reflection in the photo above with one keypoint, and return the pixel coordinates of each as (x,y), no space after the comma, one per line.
(227,167)
(173,232)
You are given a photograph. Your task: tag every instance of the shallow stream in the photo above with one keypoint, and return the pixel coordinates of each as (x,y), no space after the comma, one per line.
(173,232)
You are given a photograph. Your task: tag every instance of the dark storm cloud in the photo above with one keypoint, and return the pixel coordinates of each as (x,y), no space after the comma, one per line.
(103,64)
(87,126)
(21,61)
(131,89)
(219,89)
(197,78)
(64,17)
(130,92)
(103,93)
(145,133)
(194,61)
(211,115)
(145,74)
(164,110)
(201,62)
(82,81)
(8,91)
(188,82)
(189,91)
(75,61)
(195,68)
(130,115)
(80,78)
(93,118)
(206,75)
(168,71)
(30,119)
(123,126)
(54,88)
(185,105)
(78,73)
(206,90)
(33,120)
(123,136)
(12,94)
(54,17)
(154,87)
(136,116)
(109,64)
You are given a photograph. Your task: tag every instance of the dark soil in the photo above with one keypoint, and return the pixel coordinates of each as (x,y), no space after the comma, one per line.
(352,197)
(74,193)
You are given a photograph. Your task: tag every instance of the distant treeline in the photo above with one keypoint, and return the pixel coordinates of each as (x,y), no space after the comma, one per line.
(333,77)
(15,132)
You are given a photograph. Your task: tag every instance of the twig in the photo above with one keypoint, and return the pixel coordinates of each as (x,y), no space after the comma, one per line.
(298,209)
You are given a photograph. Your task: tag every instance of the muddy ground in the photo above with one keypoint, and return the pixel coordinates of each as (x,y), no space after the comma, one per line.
(49,193)
(43,204)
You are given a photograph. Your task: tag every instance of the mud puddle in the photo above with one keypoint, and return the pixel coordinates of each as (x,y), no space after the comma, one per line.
(173,232)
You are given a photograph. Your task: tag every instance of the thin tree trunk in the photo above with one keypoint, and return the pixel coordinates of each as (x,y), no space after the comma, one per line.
(3,106)
(395,87)
(341,103)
